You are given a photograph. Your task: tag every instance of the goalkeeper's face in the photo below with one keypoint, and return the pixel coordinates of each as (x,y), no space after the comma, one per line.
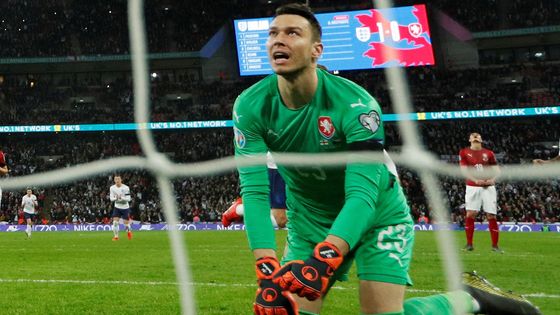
(292,46)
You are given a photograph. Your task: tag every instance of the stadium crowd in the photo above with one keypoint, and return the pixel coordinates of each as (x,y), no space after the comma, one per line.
(36,100)
(87,201)
(204,198)
(74,28)
(514,142)
(60,28)
(77,28)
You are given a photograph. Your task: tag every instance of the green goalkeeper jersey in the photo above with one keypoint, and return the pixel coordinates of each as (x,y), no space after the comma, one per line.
(342,116)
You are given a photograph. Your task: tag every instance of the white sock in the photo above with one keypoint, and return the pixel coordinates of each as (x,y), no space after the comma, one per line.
(475,305)
(127,227)
(273,220)
(28,230)
(240,210)
(116,228)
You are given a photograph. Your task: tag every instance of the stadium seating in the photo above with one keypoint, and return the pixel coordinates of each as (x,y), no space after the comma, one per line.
(207,197)
(99,27)
(58,28)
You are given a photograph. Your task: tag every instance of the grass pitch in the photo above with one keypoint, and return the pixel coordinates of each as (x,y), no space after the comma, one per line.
(87,273)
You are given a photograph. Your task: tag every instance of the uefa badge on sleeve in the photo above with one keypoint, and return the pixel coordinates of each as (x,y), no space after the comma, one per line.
(370,121)
(239,138)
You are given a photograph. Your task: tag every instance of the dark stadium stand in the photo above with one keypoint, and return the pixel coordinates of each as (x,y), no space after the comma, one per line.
(54,93)
(433,90)
(513,141)
(73,28)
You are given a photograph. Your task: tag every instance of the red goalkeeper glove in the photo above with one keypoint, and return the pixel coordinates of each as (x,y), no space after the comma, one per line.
(271,299)
(310,278)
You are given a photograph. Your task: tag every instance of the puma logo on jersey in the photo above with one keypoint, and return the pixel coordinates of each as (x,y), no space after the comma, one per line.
(359,104)
(236,117)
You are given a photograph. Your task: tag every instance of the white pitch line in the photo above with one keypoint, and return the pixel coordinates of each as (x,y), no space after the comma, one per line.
(88,281)
(213,284)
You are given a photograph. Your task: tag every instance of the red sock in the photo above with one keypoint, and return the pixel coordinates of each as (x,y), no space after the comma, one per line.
(469,229)
(494,231)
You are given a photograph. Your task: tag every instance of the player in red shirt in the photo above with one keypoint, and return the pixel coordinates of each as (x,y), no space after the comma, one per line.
(3,165)
(481,169)
(3,171)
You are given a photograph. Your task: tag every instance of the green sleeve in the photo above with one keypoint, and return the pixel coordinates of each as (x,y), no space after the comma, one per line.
(357,214)
(361,124)
(254,183)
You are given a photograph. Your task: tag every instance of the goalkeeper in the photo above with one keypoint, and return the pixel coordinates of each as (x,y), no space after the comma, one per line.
(336,215)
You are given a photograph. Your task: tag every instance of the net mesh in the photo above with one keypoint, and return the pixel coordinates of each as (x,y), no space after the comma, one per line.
(412,156)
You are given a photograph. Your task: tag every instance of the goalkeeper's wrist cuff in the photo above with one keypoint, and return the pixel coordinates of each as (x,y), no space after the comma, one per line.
(328,253)
(266,266)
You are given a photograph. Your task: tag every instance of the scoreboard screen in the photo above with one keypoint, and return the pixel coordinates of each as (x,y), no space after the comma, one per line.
(351,40)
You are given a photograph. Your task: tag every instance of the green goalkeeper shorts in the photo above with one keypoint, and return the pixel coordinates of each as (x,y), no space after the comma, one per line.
(383,254)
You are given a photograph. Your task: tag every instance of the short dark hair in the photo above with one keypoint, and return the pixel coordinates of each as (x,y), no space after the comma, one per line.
(304,11)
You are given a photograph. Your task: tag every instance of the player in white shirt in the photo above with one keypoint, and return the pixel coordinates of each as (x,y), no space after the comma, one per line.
(29,205)
(119,193)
